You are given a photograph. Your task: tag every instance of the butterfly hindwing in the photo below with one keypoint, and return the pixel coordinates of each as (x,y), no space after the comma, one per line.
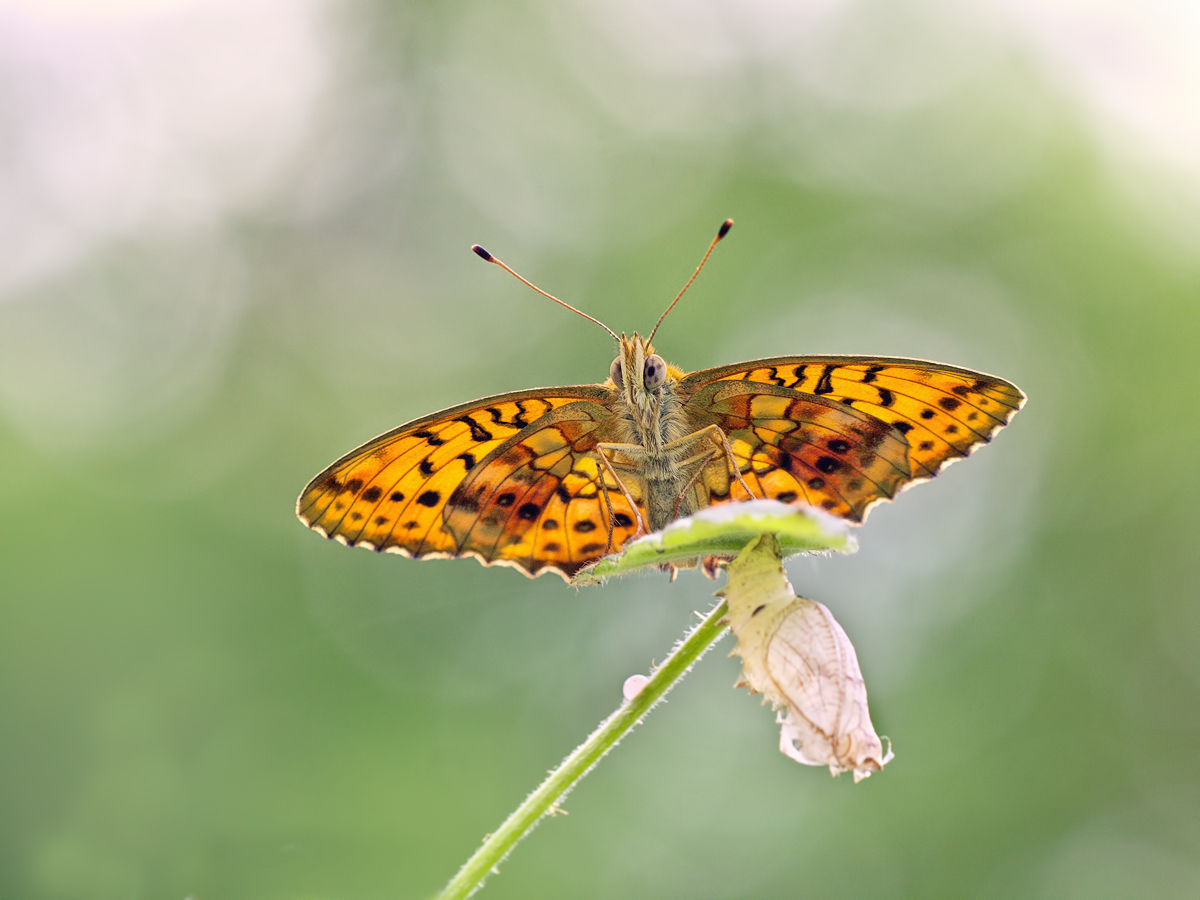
(541,499)
(796,447)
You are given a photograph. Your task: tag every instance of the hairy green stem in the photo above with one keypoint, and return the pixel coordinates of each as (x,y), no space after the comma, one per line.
(500,843)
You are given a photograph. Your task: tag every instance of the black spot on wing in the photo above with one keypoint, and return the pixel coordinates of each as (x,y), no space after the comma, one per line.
(517,421)
(478,432)
(430,438)
(828,465)
(825,384)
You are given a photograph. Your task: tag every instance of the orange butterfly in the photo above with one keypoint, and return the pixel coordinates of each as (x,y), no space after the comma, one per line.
(552,479)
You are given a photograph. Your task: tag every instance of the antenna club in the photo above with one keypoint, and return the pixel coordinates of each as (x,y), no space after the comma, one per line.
(724,230)
(483,254)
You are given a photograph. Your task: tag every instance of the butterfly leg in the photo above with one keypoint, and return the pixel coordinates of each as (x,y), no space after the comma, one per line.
(717,436)
(602,451)
(698,462)
(608,544)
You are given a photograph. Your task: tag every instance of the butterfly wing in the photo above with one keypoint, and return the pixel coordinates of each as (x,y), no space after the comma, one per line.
(843,432)
(510,479)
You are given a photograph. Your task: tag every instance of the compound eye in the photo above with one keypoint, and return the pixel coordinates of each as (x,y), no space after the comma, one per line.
(655,373)
(614,371)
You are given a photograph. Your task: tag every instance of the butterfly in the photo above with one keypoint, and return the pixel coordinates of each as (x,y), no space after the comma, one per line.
(552,479)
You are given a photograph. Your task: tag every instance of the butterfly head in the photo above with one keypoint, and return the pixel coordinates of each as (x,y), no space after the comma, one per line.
(639,373)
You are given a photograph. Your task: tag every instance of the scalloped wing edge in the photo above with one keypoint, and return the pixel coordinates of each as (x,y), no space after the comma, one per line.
(441,554)
(949,461)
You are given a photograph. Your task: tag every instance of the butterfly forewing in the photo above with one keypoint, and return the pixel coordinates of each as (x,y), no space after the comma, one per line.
(844,433)
(393,493)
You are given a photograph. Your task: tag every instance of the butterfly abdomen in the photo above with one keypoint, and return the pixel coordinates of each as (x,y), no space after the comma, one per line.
(665,482)
(669,479)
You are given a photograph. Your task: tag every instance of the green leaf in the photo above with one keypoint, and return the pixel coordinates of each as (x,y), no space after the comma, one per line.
(722,531)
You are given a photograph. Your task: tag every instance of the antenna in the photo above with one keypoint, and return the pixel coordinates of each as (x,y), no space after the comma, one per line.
(483,254)
(721,232)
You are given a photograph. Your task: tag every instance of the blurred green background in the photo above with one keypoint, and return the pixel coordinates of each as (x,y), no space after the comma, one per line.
(235,246)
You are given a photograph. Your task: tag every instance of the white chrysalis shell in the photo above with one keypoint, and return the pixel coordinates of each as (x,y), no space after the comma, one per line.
(796,654)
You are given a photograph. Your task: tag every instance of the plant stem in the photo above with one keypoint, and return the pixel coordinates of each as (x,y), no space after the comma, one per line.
(523,819)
